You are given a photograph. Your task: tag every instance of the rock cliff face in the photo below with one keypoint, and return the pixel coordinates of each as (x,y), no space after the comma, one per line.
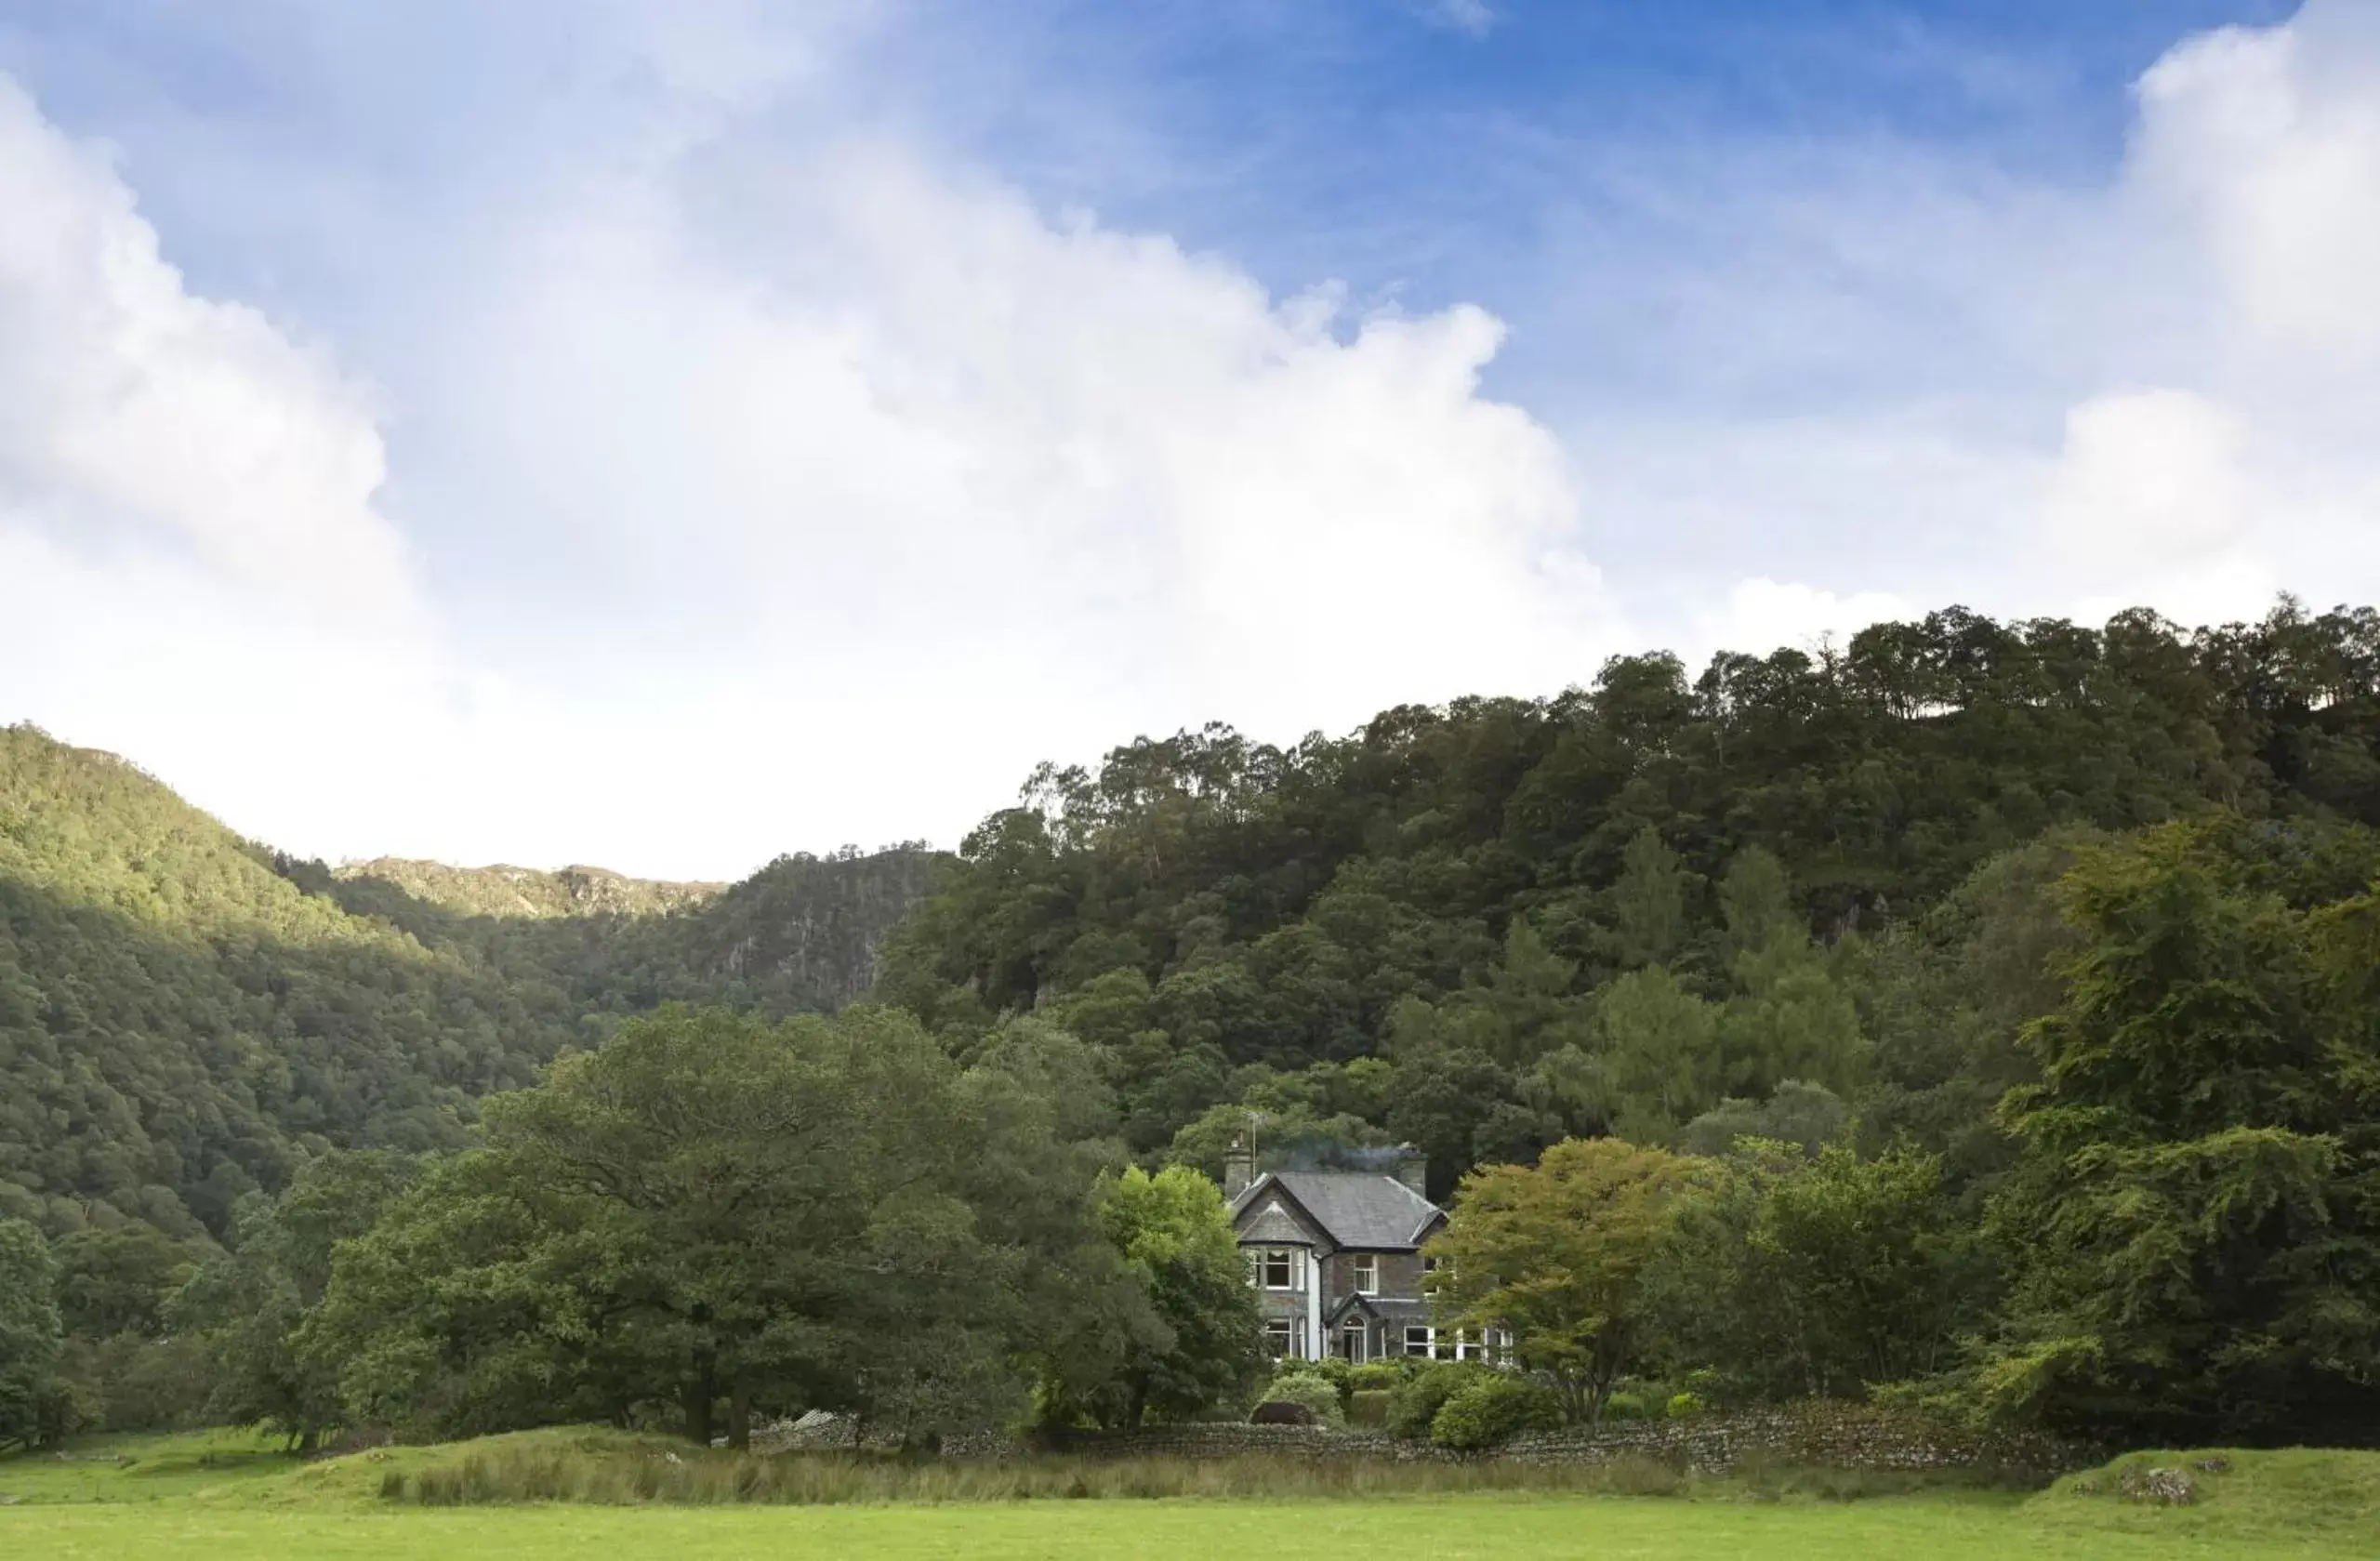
(813,924)
(804,932)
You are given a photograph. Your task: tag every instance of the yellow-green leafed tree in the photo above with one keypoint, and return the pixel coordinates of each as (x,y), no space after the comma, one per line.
(1555,1255)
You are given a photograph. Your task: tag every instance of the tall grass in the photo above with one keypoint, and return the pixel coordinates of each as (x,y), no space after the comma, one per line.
(619,1471)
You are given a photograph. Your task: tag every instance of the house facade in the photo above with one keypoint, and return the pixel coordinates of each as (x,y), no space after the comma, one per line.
(1335,1259)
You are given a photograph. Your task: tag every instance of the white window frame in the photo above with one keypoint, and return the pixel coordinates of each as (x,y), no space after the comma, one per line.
(1354,1328)
(1427,1340)
(1367,1272)
(1287,1258)
(1283,1331)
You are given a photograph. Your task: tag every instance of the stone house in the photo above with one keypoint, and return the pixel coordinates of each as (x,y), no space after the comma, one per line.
(1335,1258)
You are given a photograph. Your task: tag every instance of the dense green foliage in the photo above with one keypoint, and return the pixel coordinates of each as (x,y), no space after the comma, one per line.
(714,1207)
(186,1017)
(1558,1255)
(1447,892)
(1493,1409)
(29,1330)
(180,1024)
(2192,1224)
(1182,1337)
(1994,1001)
(1785,1275)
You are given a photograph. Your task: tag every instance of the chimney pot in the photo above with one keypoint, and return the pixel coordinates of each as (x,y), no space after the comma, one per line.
(1413,1169)
(1239,1165)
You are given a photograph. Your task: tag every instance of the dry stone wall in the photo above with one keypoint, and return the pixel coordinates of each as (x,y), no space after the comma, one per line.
(1834,1436)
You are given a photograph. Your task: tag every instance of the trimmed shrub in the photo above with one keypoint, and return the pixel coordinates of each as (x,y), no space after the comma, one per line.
(1338,1374)
(1313,1393)
(1378,1376)
(1416,1401)
(1491,1410)
(1367,1407)
(1684,1404)
(1276,1411)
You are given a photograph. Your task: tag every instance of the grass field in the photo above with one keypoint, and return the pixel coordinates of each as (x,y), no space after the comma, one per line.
(222,1495)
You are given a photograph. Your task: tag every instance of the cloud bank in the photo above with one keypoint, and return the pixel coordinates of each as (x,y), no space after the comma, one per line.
(849,509)
(720,470)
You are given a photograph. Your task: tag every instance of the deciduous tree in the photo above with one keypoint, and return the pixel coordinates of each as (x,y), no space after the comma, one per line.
(1557,1255)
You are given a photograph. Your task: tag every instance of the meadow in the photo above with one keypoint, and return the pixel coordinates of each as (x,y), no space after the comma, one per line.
(226,1495)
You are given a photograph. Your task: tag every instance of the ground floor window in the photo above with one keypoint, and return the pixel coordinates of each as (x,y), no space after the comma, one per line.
(1280,1336)
(1417,1341)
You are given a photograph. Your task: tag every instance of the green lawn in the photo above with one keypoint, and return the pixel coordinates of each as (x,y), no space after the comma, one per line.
(226,1495)
(1454,1527)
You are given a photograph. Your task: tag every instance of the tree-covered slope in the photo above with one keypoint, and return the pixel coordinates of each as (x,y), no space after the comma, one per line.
(1483,926)
(1781,893)
(184,1014)
(178,1020)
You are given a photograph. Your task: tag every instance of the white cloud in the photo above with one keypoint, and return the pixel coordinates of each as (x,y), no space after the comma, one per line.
(752,482)
(2268,144)
(2254,180)
(1905,373)
(849,487)
(2149,478)
(192,565)
(127,406)
(904,404)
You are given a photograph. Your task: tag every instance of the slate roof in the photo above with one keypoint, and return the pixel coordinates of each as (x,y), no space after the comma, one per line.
(1275,1228)
(1354,1208)
(1387,1309)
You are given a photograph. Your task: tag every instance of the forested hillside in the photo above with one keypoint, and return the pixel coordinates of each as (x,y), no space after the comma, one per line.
(1981,1009)
(1767,896)
(185,1016)
(1777,893)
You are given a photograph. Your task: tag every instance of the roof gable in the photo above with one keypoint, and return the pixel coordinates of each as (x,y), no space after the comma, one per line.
(1273,1222)
(1349,1209)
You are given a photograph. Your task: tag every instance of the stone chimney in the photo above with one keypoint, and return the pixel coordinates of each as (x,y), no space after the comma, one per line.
(1413,1169)
(1239,1164)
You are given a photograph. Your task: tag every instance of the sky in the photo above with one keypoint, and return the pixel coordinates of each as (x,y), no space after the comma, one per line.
(670,434)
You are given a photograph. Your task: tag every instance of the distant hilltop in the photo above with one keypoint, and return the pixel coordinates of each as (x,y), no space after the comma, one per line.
(503,890)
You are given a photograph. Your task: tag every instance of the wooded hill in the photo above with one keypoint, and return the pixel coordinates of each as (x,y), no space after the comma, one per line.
(184,1015)
(1782,893)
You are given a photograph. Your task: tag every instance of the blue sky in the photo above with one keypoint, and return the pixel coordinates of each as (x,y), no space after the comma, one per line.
(666,435)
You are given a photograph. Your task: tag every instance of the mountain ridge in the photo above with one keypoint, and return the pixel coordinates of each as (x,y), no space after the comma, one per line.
(503,888)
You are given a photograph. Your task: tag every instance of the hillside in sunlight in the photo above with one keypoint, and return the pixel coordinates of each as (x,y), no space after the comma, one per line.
(500,890)
(184,1013)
